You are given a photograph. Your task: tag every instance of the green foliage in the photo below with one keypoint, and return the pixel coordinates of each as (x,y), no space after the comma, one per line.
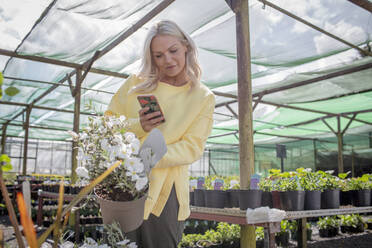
(328,222)
(260,235)
(266,184)
(309,180)
(360,183)
(11,91)
(353,220)
(284,226)
(5,162)
(329,181)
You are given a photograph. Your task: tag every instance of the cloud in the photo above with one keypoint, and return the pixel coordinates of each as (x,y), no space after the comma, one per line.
(342,29)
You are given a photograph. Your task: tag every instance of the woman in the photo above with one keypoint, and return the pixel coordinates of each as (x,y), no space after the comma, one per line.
(171,72)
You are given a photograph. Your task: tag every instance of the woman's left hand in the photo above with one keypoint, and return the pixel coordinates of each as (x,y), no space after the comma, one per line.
(150,120)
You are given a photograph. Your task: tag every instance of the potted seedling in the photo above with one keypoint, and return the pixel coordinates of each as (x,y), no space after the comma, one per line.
(232,188)
(311,183)
(361,188)
(266,185)
(351,223)
(292,196)
(260,237)
(330,197)
(293,227)
(328,226)
(282,237)
(215,196)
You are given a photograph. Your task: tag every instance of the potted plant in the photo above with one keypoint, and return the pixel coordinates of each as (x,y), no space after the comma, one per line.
(361,188)
(266,185)
(122,194)
(369,223)
(311,183)
(282,237)
(260,237)
(215,197)
(346,194)
(351,223)
(328,226)
(330,197)
(232,187)
(292,196)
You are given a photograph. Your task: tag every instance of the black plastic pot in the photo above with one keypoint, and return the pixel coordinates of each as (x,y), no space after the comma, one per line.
(191,195)
(351,229)
(282,239)
(312,200)
(330,199)
(369,225)
(232,198)
(329,232)
(199,199)
(361,198)
(260,243)
(250,198)
(309,232)
(293,200)
(275,196)
(267,199)
(215,198)
(346,198)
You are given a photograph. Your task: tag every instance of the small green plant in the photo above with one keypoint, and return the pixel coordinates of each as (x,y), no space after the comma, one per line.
(309,180)
(359,183)
(284,226)
(266,184)
(352,220)
(260,235)
(328,222)
(329,182)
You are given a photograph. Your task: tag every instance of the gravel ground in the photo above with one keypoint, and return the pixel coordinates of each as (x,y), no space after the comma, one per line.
(362,240)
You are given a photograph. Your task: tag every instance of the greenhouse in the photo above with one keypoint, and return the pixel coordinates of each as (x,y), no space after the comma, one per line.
(292,82)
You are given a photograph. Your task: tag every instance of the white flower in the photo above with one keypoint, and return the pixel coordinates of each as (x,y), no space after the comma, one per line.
(82,172)
(135,146)
(141,183)
(105,144)
(129,137)
(67,244)
(124,242)
(329,172)
(46,245)
(132,245)
(74,135)
(118,139)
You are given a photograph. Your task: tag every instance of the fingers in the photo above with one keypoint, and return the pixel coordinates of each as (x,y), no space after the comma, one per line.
(150,120)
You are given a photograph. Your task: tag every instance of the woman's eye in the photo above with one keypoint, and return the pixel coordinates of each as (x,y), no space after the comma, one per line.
(173,51)
(158,56)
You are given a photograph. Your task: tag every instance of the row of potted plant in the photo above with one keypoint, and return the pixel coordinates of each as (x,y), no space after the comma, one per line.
(297,190)
(351,223)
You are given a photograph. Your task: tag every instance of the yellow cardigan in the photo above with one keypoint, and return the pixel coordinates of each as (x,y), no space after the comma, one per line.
(189,119)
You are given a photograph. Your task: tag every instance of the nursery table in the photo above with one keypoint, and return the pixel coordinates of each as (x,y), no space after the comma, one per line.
(237,216)
(75,216)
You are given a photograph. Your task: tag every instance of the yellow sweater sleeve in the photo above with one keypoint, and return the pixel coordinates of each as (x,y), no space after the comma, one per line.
(191,146)
(118,106)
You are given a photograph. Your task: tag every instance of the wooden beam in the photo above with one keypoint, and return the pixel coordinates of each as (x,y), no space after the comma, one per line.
(43,108)
(25,147)
(60,63)
(365,4)
(315,80)
(340,146)
(348,124)
(76,126)
(3,139)
(246,152)
(51,83)
(315,27)
(232,111)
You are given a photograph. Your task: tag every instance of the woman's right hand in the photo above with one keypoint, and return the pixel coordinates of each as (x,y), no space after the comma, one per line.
(148,122)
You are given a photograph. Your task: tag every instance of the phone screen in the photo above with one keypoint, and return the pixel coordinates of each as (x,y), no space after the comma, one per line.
(151,102)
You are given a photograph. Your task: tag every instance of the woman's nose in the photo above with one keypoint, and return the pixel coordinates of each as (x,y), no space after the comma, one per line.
(168,58)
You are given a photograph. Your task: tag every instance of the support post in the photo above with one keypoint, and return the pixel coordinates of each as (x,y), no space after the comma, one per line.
(340,146)
(76,127)
(302,233)
(3,139)
(246,153)
(352,163)
(25,148)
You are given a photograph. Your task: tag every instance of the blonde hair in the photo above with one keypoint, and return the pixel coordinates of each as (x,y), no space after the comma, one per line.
(150,73)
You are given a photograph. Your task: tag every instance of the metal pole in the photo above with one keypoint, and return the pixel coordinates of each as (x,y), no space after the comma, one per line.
(3,139)
(246,154)
(76,127)
(25,149)
(352,163)
(340,146)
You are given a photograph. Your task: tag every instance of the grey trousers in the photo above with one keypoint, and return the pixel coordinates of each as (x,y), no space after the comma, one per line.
(164,231)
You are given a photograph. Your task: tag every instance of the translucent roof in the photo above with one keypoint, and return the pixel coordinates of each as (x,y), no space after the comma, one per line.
(284,52)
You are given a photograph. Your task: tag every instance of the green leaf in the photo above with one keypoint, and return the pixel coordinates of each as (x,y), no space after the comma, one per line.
(11,91)
(5,163)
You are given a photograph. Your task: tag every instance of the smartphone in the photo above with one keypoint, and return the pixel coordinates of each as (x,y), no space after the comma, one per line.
(151,102)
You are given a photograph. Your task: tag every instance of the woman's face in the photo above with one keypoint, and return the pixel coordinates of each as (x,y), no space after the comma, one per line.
(169,55)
